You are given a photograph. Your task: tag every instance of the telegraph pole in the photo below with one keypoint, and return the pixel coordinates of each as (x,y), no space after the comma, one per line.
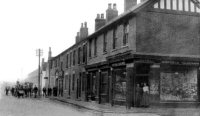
(39,53)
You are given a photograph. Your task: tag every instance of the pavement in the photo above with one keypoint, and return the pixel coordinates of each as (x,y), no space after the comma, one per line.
(107,108)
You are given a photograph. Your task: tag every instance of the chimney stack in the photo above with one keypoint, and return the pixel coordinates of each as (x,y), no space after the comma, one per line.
(129,4)
(77,37)
(111,13)
(99,21)
(49,54)
(83,31)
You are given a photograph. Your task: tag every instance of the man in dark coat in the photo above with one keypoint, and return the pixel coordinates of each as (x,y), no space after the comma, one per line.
(44,91)
(35,90)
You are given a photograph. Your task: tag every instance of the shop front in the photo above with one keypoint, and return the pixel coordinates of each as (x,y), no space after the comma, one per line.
(179,83)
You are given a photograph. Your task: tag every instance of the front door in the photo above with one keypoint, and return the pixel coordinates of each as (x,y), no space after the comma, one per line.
(104,91)
(142,76)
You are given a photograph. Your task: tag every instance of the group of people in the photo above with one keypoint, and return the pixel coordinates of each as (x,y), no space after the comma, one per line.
(27,91)
(142,95)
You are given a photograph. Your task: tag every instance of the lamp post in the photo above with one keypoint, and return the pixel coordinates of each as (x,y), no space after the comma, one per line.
(39,53)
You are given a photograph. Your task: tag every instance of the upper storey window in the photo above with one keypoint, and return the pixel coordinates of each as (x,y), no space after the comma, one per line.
(95,46)
(179,5)
(126,31)
(115,38)
(90,48)
(105,42)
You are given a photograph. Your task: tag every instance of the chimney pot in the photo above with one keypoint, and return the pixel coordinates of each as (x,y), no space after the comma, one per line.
(81,25)
(85,24)
(115,6)
(98,16)
(102,16)
(109,6)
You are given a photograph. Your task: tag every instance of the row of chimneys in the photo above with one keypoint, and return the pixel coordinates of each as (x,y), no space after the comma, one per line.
(100,21)
(83,33)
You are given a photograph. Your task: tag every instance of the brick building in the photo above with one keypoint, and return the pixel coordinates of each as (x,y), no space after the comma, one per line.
(155,42)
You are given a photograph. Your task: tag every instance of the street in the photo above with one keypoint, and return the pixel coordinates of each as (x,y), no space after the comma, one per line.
(11,106)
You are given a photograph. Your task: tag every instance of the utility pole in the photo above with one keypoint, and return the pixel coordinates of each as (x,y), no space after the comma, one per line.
(39,53)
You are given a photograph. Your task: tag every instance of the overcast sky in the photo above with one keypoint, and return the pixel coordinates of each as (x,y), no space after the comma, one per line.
(26,25)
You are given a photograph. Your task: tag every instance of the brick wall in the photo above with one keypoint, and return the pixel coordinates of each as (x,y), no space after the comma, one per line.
(167,33)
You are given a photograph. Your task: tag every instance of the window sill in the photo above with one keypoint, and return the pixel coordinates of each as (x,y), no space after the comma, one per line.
(122,47)
(104,53)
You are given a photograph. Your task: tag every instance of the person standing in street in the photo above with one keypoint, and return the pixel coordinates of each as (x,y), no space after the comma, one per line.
(44,92)
(35,90)
(7,90)
(145,97)
(138,95)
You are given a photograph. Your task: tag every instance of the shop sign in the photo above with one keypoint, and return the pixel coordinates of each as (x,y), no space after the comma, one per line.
(118,64)
(130,65)
(180,63)
(45,77)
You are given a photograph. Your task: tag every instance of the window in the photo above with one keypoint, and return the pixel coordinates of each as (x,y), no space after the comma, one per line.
(55,62)
(105,42)
(51,64)
(83,82)
(95,46)
(84,53)
(73,82)
(70,62)
(61,65)
(79,55)
(115,38)
(126,31)
(58,62)
(67,60)
(90,50)
(66,79)
(74,54)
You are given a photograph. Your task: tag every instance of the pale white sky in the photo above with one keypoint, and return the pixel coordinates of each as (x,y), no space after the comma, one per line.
(26,25)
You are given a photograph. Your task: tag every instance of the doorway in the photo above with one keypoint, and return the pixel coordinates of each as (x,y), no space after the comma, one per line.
(104,91)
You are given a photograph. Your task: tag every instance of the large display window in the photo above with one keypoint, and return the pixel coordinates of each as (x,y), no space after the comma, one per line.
(178,84)
(120,85)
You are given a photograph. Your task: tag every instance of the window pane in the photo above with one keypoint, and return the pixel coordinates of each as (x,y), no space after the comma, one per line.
(155,5)
(174,7)
(181,5)
(192,7)
(198,10)
(162,4)
(186,5)
(168,4)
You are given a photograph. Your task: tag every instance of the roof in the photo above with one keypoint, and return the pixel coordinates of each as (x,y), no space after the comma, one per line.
(133,10)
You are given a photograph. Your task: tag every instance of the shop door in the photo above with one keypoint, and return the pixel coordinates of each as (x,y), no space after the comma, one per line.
(142,76)
(104,90)
(61,87)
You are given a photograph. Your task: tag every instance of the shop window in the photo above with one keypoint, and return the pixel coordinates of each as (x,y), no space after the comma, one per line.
(83,81)
(179,85)
(120,85)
